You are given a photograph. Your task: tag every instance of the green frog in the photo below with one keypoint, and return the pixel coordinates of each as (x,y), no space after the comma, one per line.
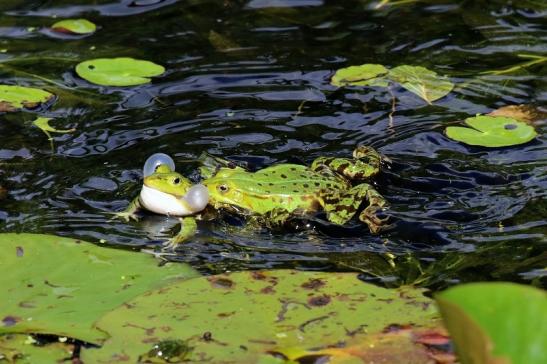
(270,196)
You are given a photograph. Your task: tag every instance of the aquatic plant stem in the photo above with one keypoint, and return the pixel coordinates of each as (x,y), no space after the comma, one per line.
(535,60)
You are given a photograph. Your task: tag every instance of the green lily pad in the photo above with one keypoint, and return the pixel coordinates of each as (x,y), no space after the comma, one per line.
(74,26)
(492,131)
(118,71)
(238,317)
(61,286)
(21,349)
(496,322)
(13,98)
(363,75)
(423,82)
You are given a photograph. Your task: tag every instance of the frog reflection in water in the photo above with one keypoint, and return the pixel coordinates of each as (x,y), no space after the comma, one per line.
(270,196)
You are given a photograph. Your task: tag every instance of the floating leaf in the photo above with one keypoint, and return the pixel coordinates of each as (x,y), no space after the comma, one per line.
(496,322)
(74,26)
(61,286)
(492,131)
(422,82)
(238,317)
(13,98)
(21,349)
(396,345)
(526,113)
(118,71)
(363,75)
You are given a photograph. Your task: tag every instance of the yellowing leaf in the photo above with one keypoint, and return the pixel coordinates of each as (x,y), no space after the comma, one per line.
(74,26)
(363,75)
(422,82)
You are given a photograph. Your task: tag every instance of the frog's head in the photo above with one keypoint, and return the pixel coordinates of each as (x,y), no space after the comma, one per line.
(226,189)
(167,192)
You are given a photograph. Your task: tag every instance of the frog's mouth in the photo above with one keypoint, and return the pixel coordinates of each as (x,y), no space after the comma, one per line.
(163,203)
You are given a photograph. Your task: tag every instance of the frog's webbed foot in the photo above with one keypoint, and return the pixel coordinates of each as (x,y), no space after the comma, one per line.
(124,215)
(341,207)
(188,227)
(129,213)
(371,214)
(365,164)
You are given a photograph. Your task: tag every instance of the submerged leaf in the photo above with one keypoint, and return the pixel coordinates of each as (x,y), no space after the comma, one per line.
(238,317)
(43,124)
(492,131)
(62,286)
(13,98)
(118,71)
(363,75)
(74,26)
(423,82)
(496,322)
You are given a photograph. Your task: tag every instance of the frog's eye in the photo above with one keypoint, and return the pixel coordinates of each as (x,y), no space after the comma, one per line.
(176,180)
(156,160)
(223,188)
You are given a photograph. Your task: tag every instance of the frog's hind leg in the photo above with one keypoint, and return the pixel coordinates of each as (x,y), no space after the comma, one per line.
(341,207)
(365,164)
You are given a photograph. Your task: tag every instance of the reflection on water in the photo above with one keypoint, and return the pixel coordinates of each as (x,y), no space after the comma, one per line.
(467,212)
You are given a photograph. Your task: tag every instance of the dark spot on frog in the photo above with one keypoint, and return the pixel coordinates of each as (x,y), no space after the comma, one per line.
(10,321)
(293,169)
(219,282)
(317,184)
(313,284)
(19,251)
(260,184)
(271,184)
(306,185)
(207,336)
(226,314)
(319,300)
(258,275)
(267,290)
(283,176)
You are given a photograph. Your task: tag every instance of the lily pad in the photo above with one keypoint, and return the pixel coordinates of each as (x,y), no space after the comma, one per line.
(496,322)
(397,345)
(61,286)
(492,131)
(239,317)
(74,26)
(363,75)
(13,98)
(118,71)
(421,81)
(22,349)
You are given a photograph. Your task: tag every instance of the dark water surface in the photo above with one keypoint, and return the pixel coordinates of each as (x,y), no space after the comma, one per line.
(460,213)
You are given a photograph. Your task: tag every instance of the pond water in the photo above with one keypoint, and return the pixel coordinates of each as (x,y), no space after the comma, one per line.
(249,81)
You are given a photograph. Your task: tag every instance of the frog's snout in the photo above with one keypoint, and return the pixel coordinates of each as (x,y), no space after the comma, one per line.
(197,197)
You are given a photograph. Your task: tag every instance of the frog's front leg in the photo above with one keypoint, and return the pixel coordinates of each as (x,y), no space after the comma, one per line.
(365,164)
(188,228)
(342,206)
(130,212)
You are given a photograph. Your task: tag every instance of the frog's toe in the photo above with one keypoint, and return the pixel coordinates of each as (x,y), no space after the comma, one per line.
(158,254)
(375,218)
(171,245)
(126,216)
